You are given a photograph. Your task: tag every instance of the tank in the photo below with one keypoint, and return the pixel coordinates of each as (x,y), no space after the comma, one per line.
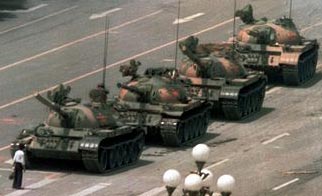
(276,47)
(160,103)
(93,133)
(216,76)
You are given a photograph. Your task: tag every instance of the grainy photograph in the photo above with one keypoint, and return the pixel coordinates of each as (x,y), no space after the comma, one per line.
(160,98)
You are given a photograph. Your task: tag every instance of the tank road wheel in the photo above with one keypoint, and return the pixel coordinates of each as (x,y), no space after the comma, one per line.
(112,158)
(126,155)
(103,159)
(199,126)
(205,123)
(118,157)
(180,133)
(186,131)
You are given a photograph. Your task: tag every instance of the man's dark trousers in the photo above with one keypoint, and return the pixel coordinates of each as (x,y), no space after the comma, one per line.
(17,180)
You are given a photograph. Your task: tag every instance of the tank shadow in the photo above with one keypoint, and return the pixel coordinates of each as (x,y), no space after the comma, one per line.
(4,16)
(316,78)
(158,143)
(264,111)
(77,167)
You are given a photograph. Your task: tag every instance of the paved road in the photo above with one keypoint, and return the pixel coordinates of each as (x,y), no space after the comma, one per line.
(55,42)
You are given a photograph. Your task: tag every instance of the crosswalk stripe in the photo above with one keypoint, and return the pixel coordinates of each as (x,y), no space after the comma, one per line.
(91,189)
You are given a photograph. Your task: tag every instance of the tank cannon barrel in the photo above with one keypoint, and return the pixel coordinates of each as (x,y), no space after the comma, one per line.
(51,105)
(131,88)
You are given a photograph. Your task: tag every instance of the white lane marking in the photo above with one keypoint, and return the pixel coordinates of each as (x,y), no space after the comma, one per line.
(10,161)
(311,27)
(37,20)
(103,14)
(218,163)
(275,138)
(154,191)
(272,90)
(32,171)
(5,148)
(76,41)
(285,184)
(188,18)
(92,189)
(25,11)
(36,185)
(168,60)
(116,63)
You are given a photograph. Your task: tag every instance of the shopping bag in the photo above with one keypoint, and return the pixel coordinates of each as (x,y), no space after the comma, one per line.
(12,174)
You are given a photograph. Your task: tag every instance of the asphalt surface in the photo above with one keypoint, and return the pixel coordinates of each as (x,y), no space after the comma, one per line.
(275,152)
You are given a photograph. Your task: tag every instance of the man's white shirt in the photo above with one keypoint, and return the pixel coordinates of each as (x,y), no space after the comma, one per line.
(19,157)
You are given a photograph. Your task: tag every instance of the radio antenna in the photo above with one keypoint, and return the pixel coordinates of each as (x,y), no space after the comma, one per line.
(290,13)
(107,28)
(234,26)
(177,36)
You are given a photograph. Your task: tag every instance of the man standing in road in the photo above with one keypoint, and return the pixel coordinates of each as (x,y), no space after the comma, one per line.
(19,167)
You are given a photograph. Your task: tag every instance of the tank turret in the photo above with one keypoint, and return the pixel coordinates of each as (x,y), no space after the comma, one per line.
(276,47)
(94,134)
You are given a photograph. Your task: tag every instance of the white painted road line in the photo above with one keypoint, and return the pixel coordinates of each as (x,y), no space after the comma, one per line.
(36,185)
(216,164)
(103,14)
(33,171)
(4,148)
(311,27)
(273,89)
(37,20)
(26,10)
(168,60)
(154,191)
(10,162)
(188,18)
(116,63)
(92,189)
(285,184)
(275,138)
(76,41)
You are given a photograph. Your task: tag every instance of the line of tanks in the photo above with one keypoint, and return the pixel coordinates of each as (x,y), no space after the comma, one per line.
(168,104)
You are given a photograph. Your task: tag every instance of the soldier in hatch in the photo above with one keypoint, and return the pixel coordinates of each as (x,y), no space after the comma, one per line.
(98,95)
(131,69)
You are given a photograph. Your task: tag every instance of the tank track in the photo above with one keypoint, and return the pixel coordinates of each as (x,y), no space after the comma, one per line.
(250,101)
(304,71)
(193,125)
(108,158)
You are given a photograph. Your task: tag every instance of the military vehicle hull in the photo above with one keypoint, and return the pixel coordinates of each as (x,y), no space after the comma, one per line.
(295,63)
(176,124)
(276,47)
(91,133)
(214,76)
(99,150)
(236,98)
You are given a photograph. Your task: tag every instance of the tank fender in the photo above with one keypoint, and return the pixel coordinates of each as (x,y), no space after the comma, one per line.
(288,58)
(230,92)
(90,143)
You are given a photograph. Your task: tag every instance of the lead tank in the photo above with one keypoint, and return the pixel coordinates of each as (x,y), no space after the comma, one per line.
(93,133)
(276,47)
(160,103)
(217,77)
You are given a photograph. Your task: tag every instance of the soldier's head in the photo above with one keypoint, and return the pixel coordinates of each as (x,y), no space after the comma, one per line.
(246,14)
(100,85)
